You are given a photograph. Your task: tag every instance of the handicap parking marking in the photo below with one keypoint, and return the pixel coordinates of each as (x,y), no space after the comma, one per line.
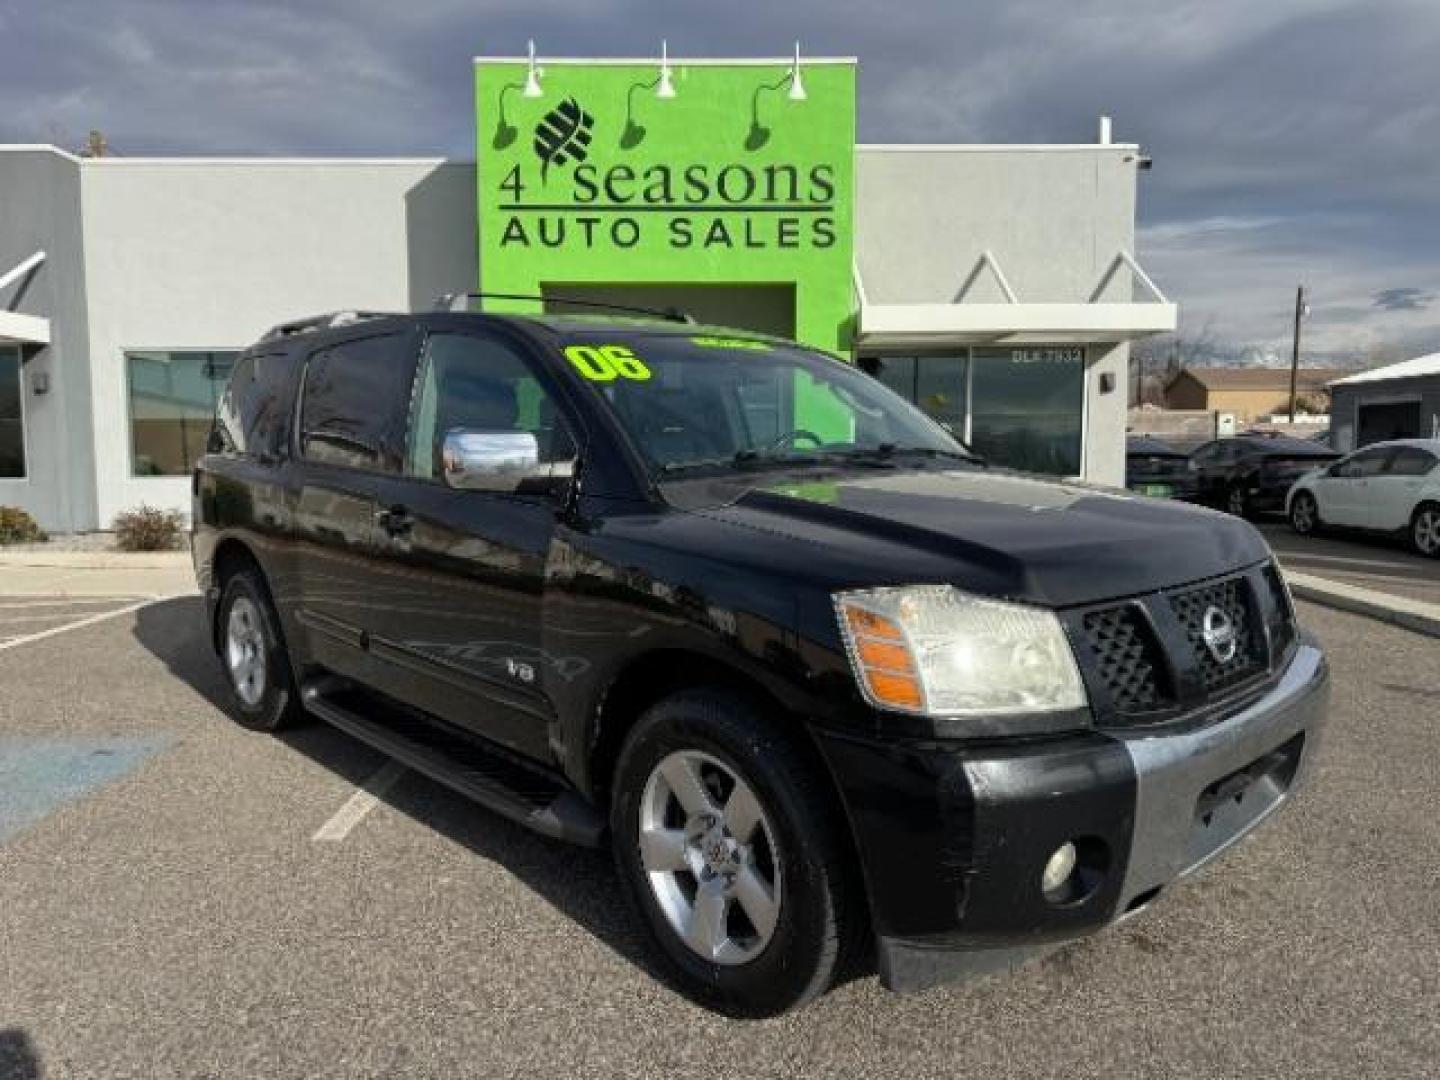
(40,775)
(359,804)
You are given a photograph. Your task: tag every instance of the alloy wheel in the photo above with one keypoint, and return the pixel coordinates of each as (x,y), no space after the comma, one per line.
(1426,531)
(245,651)
(710,857)
(1236,502)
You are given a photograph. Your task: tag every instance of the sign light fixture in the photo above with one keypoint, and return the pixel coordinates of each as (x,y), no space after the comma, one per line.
(797,84)
(666,88)
(532,76)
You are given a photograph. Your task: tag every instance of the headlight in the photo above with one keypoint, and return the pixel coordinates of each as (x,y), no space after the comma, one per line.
(935,650)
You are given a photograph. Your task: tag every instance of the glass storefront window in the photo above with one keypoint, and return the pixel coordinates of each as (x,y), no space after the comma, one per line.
(1028,405)
(896,372)
(941,391)
(1019,407)
(12,420)
(172,402)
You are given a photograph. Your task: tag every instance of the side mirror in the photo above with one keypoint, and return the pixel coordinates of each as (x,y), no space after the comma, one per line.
(489,460)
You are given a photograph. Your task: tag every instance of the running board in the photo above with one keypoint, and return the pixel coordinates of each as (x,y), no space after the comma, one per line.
(493,778)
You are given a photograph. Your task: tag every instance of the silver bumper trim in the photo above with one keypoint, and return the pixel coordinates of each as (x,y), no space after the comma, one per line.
(1172,771)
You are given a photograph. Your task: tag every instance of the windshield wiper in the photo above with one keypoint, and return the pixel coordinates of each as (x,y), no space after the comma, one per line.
(887,451)
(741,459)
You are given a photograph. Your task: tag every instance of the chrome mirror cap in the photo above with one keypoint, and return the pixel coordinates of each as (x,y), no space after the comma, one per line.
(489,460)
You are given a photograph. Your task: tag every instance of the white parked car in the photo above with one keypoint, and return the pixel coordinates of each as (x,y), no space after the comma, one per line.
(1386,487)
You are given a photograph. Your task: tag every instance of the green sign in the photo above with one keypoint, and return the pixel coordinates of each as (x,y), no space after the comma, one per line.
(732,181)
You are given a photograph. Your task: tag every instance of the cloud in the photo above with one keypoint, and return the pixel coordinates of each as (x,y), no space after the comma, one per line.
(1408,299)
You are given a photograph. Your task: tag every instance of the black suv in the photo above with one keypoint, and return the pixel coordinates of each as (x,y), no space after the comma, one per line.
(1251,473)
(835,692)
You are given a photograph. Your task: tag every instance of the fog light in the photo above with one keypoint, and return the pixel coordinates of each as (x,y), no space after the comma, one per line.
(1058,870)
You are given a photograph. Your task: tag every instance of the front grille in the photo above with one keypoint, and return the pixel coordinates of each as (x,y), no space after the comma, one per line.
(1231,598)
(1127,658)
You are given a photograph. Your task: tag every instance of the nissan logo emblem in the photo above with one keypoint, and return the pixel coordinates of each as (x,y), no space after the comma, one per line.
(1217,630)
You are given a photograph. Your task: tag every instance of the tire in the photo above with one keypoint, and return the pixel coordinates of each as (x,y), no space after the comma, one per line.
(1305,514)
(795,849)
(262,689)
(1236,503)
(1425,530)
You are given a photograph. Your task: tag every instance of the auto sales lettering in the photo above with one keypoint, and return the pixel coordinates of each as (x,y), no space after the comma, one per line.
(732,206)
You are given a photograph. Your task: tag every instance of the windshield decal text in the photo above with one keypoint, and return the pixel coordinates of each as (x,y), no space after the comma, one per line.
(606,363)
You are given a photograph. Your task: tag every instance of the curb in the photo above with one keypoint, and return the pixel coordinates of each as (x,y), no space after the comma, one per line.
(98,560)
(1400,611)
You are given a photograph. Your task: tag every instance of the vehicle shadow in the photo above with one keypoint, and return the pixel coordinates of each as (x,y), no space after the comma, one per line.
(580,883)
(19,1059)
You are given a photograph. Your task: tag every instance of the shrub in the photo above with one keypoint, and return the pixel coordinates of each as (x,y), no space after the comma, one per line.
(18,527)
(147,528)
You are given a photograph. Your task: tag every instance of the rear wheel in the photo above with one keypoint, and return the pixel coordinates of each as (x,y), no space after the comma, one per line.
(1237,503)
(1304,514)
(1425,530)
(729,847)
(262,689)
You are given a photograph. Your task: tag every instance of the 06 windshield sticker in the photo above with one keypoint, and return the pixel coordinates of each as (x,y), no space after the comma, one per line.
(730,343)
(606,363)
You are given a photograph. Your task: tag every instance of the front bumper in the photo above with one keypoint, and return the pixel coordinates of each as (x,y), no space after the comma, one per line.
(953,837)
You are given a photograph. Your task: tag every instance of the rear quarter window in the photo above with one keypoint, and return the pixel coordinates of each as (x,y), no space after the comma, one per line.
(252,416)
(1412,461)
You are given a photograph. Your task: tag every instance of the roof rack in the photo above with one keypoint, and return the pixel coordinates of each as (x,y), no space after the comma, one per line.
(461,302)
(319,322)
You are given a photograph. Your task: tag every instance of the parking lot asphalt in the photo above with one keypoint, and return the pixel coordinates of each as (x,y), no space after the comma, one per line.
(1382,563)
(172,912)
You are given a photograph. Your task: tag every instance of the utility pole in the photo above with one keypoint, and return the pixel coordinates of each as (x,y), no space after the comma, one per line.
(1295,347)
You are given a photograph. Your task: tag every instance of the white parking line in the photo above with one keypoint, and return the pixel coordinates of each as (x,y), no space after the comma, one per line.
(89,620)
(360,804)
(72,601)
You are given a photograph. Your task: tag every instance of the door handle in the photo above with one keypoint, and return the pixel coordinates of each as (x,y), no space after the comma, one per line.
(396,520)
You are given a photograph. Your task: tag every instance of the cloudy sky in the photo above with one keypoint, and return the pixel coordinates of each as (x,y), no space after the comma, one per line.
(1294,140)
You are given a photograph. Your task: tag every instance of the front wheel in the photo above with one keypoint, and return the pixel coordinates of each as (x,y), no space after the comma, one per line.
(1236,502)
(1425,530)
(731,850)
(1304,514)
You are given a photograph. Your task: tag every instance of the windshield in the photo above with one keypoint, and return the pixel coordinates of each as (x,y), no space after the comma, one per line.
(697,402)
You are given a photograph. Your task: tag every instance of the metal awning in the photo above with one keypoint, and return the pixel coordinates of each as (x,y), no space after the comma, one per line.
(1014,322)
(17,328)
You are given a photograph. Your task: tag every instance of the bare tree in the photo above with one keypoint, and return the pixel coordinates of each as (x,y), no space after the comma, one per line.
(1156,360)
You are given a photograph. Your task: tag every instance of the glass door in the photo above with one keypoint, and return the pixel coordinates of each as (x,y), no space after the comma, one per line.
(1028,406)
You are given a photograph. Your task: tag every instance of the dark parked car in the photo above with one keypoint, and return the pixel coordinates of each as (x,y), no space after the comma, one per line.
(1251,473)
(1156,468)
(829,688)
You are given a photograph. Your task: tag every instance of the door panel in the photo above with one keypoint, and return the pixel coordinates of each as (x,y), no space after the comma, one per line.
(351,434)
(1348,488)
(465,571)
(462,625)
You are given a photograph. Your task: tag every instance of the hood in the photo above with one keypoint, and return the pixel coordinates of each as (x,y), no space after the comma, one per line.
(996,533)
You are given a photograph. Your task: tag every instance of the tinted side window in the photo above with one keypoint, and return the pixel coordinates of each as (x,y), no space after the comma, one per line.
(354,402)
(1206,454)
(1366,463)
(479,384)
(1412,461)
(1226,453)
(251,417)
